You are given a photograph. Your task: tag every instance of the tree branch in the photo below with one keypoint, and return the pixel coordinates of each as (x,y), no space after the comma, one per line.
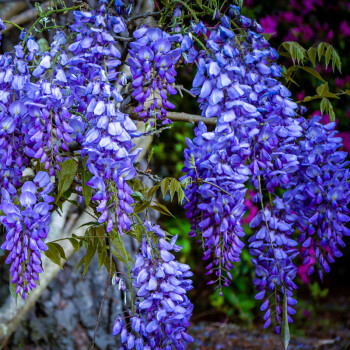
(182,117)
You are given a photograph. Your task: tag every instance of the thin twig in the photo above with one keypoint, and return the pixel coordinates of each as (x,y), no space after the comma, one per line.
(145,15)
(181,88)
(104,296)
(157,131)
(154,178)
(122,38)
(26,16)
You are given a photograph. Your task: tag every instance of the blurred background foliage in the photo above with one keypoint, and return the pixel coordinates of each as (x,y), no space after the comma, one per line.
(307,22)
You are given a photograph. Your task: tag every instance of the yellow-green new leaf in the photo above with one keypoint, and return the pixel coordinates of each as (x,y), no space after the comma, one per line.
(66,176)
(312,53)
(313,72)
(161,209)
(164,185)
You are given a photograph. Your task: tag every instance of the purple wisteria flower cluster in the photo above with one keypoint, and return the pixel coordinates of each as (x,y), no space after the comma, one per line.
(152,63)
(70,95)
(162,309)
(26,219)
(68,101)
(107,142)
(260,136)
(320,195)
(46,106)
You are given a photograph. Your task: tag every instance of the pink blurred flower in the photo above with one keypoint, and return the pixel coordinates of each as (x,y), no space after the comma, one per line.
(252,208)
(287,16)
(300,95)
(303,269)
(330,35)
(269,24)
(339,83)
(306,31)
(344,28)
(248,2)
(309,5)
(292,34)
(345,135)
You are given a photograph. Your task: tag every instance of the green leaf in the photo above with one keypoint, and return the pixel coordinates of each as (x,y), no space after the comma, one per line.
(296,51)
(150,155)
(310,98)
(75,244)
(331,113)
(161,209)
(85,177)
(174,184)
(81,262)
(139,207)
(53,254)
(90,252)
(321,89)
(181,195)
(320,50)
(59,248)
(313,72)
(312,52)
(138,195)
(137,186)
(2,252)
(101,257)
(152,191)
(164,185)
(324,103)
(90,223)
(336,61)
(186,181)
(138,233)
(285,326)
(328,55)
(119,246)
(66,176)
(118,255)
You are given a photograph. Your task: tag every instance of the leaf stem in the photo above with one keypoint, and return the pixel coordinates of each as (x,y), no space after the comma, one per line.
(13,24)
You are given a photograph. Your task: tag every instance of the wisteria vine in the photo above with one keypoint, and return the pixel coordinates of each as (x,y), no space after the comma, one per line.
(68,102)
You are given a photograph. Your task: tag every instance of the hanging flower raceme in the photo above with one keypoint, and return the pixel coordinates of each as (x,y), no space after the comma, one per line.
(46,121)
(27,225)
(152,65)
(320,195)
(14,75)
(162,309)
(216,198)
(258,133)
(273,249)
(108,132)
